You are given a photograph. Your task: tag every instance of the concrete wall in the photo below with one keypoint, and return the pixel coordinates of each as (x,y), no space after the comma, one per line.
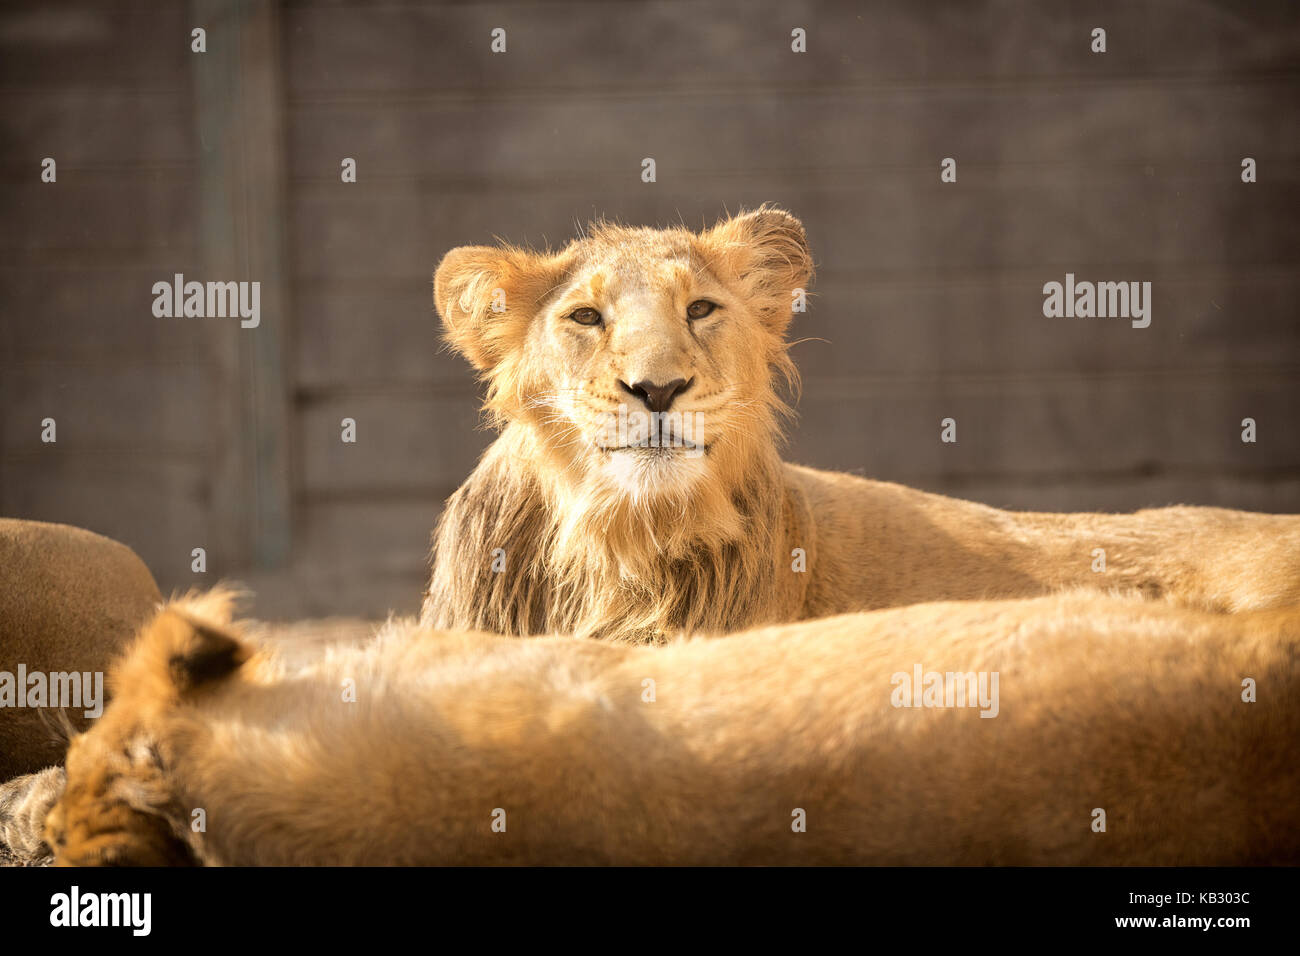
(1116,166)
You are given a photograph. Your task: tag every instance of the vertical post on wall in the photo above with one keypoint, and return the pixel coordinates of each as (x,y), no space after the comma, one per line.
(240,115)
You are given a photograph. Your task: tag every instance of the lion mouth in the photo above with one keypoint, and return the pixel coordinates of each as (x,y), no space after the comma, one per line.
(660,449)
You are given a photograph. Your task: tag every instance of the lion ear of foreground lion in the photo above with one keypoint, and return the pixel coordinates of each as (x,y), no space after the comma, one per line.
(487,295)
(188,644)
(118,808)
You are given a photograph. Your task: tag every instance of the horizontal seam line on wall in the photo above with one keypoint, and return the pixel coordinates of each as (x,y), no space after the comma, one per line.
(1039,83)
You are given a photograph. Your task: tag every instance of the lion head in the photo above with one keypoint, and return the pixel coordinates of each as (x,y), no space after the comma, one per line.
(645,361)
(636,375)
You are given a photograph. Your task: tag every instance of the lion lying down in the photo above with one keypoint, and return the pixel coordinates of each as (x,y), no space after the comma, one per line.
(577,522)
(1094,730)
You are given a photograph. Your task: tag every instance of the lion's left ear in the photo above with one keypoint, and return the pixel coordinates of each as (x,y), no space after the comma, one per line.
(488,295)
(767,250)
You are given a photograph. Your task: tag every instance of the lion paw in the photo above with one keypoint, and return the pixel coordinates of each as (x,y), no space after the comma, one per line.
(24,802)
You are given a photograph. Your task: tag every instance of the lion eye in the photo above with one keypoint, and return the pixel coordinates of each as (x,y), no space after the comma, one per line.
(700,308)
(585,316)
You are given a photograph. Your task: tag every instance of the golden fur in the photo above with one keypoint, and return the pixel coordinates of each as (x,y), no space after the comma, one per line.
(1129,706)
(642,543)
(24,803)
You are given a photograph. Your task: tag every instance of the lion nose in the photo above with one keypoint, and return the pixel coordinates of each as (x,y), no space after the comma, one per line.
(658,398)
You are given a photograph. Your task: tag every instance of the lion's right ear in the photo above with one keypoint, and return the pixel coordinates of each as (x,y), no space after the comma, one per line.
(488,295)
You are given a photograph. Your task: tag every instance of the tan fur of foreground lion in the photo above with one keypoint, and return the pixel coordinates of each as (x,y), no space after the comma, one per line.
(574,524)
(1129,706)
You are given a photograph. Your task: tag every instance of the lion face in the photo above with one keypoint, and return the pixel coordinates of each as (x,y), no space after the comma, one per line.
(643,359)
(646,363)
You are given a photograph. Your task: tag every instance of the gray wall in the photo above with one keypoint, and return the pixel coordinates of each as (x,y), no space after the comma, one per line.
(1120,166)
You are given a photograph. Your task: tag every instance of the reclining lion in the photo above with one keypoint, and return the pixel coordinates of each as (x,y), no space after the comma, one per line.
(70,600)
(1075,729)
(636,489)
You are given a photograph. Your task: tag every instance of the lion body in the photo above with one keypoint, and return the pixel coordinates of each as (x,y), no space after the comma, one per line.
(784,745)
(70,600)
(862,545)
(561,529)
(885,545)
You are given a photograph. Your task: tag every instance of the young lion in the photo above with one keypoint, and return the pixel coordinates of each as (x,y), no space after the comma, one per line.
(1076,729)
(576,522)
